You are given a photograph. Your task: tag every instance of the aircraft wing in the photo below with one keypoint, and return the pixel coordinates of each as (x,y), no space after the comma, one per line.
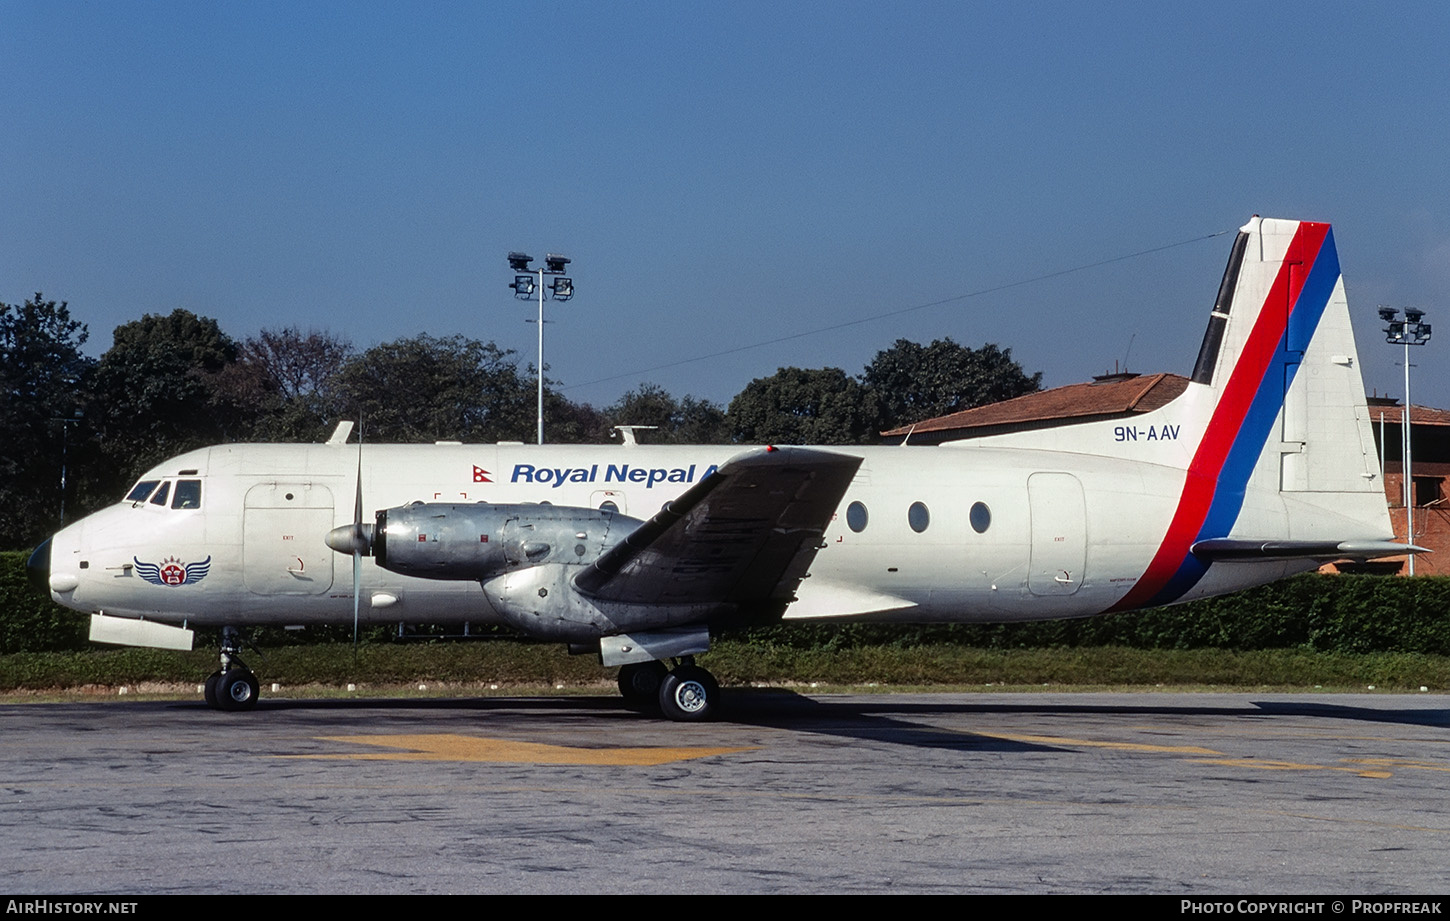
(746,534)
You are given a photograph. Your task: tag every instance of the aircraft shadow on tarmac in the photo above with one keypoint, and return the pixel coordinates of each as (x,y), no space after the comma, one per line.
(859,718)
(773,708)
(884,718)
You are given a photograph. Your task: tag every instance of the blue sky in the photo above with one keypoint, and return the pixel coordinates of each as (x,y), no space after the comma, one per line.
(722,174)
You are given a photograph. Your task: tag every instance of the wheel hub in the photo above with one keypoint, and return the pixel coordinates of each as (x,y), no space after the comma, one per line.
(691,696)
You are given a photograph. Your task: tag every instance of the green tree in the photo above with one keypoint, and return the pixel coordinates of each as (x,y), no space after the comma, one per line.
(287,382)
(684,421)
(567,422)
(796,406)
(42,377)
(438,389)
(159,391)
(912,382)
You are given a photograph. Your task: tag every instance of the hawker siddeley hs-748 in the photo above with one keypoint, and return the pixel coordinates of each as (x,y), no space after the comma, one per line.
(1263,467)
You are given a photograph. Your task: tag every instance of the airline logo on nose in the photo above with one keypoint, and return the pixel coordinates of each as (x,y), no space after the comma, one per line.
(171,571)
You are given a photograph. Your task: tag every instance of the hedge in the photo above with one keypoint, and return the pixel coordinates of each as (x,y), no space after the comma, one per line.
(1339,613)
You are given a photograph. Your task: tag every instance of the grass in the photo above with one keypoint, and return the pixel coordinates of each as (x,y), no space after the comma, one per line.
(515,668)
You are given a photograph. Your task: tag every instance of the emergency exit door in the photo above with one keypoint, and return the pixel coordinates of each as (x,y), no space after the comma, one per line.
(1059,534)
(284,550)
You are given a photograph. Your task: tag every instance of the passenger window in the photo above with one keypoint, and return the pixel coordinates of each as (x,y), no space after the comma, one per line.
(918,517)
(141,490)
(980,517)
(856,517)
(161,494)
(188,494)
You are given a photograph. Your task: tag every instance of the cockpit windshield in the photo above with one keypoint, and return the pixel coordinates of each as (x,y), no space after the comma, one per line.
(141,491)
(188,494)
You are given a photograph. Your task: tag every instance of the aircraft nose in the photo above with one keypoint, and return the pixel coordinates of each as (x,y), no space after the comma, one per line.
(37,568)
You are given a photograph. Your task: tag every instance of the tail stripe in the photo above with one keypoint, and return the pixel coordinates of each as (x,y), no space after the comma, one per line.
(1243,419)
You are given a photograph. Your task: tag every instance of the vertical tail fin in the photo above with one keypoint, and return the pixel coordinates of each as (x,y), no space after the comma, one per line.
(1289,410)
(1286,453)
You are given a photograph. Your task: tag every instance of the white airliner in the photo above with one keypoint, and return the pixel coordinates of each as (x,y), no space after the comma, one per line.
(1263,467)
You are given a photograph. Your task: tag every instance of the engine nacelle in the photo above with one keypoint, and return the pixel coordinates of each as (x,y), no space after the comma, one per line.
(475,542)
(543,602)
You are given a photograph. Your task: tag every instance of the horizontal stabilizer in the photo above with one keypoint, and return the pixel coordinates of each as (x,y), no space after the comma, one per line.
(1224,548)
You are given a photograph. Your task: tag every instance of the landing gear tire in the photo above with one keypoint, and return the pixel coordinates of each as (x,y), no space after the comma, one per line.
(237,689)
(210,690)
(689,694)
(640,683)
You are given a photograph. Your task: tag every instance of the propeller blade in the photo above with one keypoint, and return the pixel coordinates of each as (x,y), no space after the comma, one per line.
(356,597)
(359,540)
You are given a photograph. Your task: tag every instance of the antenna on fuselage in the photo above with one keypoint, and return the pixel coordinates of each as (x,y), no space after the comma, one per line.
(339,434)
(626,433)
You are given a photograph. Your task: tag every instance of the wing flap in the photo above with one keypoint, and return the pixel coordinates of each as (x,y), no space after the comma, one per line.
(744,535)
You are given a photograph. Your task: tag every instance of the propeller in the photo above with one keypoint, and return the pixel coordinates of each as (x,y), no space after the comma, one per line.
(357,539)
(357,545)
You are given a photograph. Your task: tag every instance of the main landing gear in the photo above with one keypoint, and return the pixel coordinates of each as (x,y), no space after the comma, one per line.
(687,693)
(233,686)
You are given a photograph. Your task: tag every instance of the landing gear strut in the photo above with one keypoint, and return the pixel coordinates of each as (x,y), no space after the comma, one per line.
(233,686)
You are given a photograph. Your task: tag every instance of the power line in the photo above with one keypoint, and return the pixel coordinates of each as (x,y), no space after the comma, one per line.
(904,310)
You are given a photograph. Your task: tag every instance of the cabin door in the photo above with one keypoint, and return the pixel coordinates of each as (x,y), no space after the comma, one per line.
(284,550)
(1059,534)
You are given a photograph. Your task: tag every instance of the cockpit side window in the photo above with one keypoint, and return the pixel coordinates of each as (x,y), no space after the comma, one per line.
(141,490)
(161,494)
(188,494)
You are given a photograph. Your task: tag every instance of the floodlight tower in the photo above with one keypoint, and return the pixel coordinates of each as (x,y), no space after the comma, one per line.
(524,288)
(1407,332)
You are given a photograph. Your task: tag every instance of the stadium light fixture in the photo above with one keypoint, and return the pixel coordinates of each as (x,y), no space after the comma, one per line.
(525,288)
(1412,330)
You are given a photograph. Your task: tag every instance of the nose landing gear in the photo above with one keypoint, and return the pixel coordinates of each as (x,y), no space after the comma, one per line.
(233,686)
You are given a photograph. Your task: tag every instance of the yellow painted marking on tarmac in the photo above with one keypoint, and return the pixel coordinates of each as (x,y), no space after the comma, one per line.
(1264,764)
(1401,763)
(503,751)
(1373,767)
(1090,743)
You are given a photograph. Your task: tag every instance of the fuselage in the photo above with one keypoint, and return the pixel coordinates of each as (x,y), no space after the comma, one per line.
(234,535)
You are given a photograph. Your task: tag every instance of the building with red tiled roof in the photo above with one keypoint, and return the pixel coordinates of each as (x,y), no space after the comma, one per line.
(1111,396)
(1429,470)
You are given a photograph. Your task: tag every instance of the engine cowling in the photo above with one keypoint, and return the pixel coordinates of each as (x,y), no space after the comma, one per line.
(475,542)
(525,556)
